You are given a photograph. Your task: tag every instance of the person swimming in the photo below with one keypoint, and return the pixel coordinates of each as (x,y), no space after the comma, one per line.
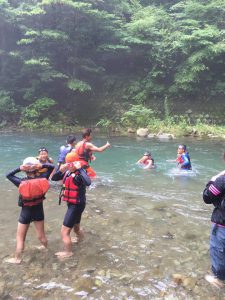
(147,162)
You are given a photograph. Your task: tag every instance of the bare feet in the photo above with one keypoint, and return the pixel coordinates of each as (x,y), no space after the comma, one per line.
(13,260)
(42,248)
(63,254)
(214,281)
(79,237)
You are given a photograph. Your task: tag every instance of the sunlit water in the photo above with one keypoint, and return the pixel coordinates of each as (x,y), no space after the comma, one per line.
(141,226)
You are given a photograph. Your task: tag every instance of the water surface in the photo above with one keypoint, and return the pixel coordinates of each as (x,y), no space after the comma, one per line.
(141,226)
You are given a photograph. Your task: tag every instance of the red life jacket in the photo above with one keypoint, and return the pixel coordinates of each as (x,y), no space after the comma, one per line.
(179,159)
(70,190)
(32,191)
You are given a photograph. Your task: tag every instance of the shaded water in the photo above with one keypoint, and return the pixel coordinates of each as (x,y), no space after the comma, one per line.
(141,226)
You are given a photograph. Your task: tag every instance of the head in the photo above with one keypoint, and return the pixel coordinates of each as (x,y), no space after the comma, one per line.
(71,139)
(30,164)
(73,166)
(87,134)
(43,154)
(181,149)
(147,154)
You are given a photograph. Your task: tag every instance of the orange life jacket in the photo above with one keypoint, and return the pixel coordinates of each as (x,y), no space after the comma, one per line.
(32,191)
(70,191)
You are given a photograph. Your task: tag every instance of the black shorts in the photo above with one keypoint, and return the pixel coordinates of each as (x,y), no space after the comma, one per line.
(73,214)
(31,213)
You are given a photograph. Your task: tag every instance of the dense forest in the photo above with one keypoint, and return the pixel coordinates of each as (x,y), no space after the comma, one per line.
(128,62)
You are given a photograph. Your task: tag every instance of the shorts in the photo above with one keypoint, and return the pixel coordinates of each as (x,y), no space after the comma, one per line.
(73,214)
(31,214)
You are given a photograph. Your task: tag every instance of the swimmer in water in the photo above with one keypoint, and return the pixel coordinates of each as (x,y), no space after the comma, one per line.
(146,161)
(183,158)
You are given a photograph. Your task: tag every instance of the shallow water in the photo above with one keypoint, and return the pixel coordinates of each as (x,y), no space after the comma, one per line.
(141,226)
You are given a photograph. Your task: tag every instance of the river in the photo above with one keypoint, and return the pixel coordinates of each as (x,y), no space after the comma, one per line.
(142,227)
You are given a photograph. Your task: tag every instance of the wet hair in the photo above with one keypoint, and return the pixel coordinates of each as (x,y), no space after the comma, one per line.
(70,139)
(42,149)
(184,147)
(86,132)
(147,153)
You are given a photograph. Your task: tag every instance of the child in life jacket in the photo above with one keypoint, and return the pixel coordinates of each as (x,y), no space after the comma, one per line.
(44,159)
(75,180)
(146,161)
(183,159)
(32,189)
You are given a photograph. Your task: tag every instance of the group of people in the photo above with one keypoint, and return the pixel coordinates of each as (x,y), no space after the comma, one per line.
(73,170)
(34,186)
(183,159)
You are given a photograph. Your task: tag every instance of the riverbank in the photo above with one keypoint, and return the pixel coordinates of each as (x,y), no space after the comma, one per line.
(162,128)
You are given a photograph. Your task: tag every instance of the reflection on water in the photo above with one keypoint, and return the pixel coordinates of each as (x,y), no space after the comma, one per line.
(143,228)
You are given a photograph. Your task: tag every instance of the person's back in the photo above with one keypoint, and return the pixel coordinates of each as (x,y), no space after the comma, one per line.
(65,149)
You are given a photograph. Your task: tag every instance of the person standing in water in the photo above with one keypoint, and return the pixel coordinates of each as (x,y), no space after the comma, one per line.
(214,193)
(32,189)
(75,180)
(64,150)
(147,161)
(85,148)
(183,159)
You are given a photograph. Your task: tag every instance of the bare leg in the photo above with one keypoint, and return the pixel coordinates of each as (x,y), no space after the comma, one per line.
(79,234)
(65,233)
(20,240)
(40,231)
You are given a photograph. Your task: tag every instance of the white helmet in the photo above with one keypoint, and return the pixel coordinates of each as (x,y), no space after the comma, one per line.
(30,161)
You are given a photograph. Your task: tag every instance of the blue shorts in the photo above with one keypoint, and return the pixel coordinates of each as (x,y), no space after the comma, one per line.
(31,213)
(73,214)
(217,251)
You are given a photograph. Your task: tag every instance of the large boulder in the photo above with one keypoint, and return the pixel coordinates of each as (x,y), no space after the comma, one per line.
(165,136)
(142,132)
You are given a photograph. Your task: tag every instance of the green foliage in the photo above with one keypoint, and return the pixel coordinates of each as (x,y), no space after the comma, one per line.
(105,125)
(34,115)
(137,116)
(105,55)
(8,108)
(78,85)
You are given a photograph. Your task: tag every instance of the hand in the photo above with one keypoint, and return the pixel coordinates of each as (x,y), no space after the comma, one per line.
(63,168)
(107,145)
(74,166)
(38,166)
(30,168)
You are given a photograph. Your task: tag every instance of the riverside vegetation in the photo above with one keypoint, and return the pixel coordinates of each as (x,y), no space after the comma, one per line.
(118,64)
